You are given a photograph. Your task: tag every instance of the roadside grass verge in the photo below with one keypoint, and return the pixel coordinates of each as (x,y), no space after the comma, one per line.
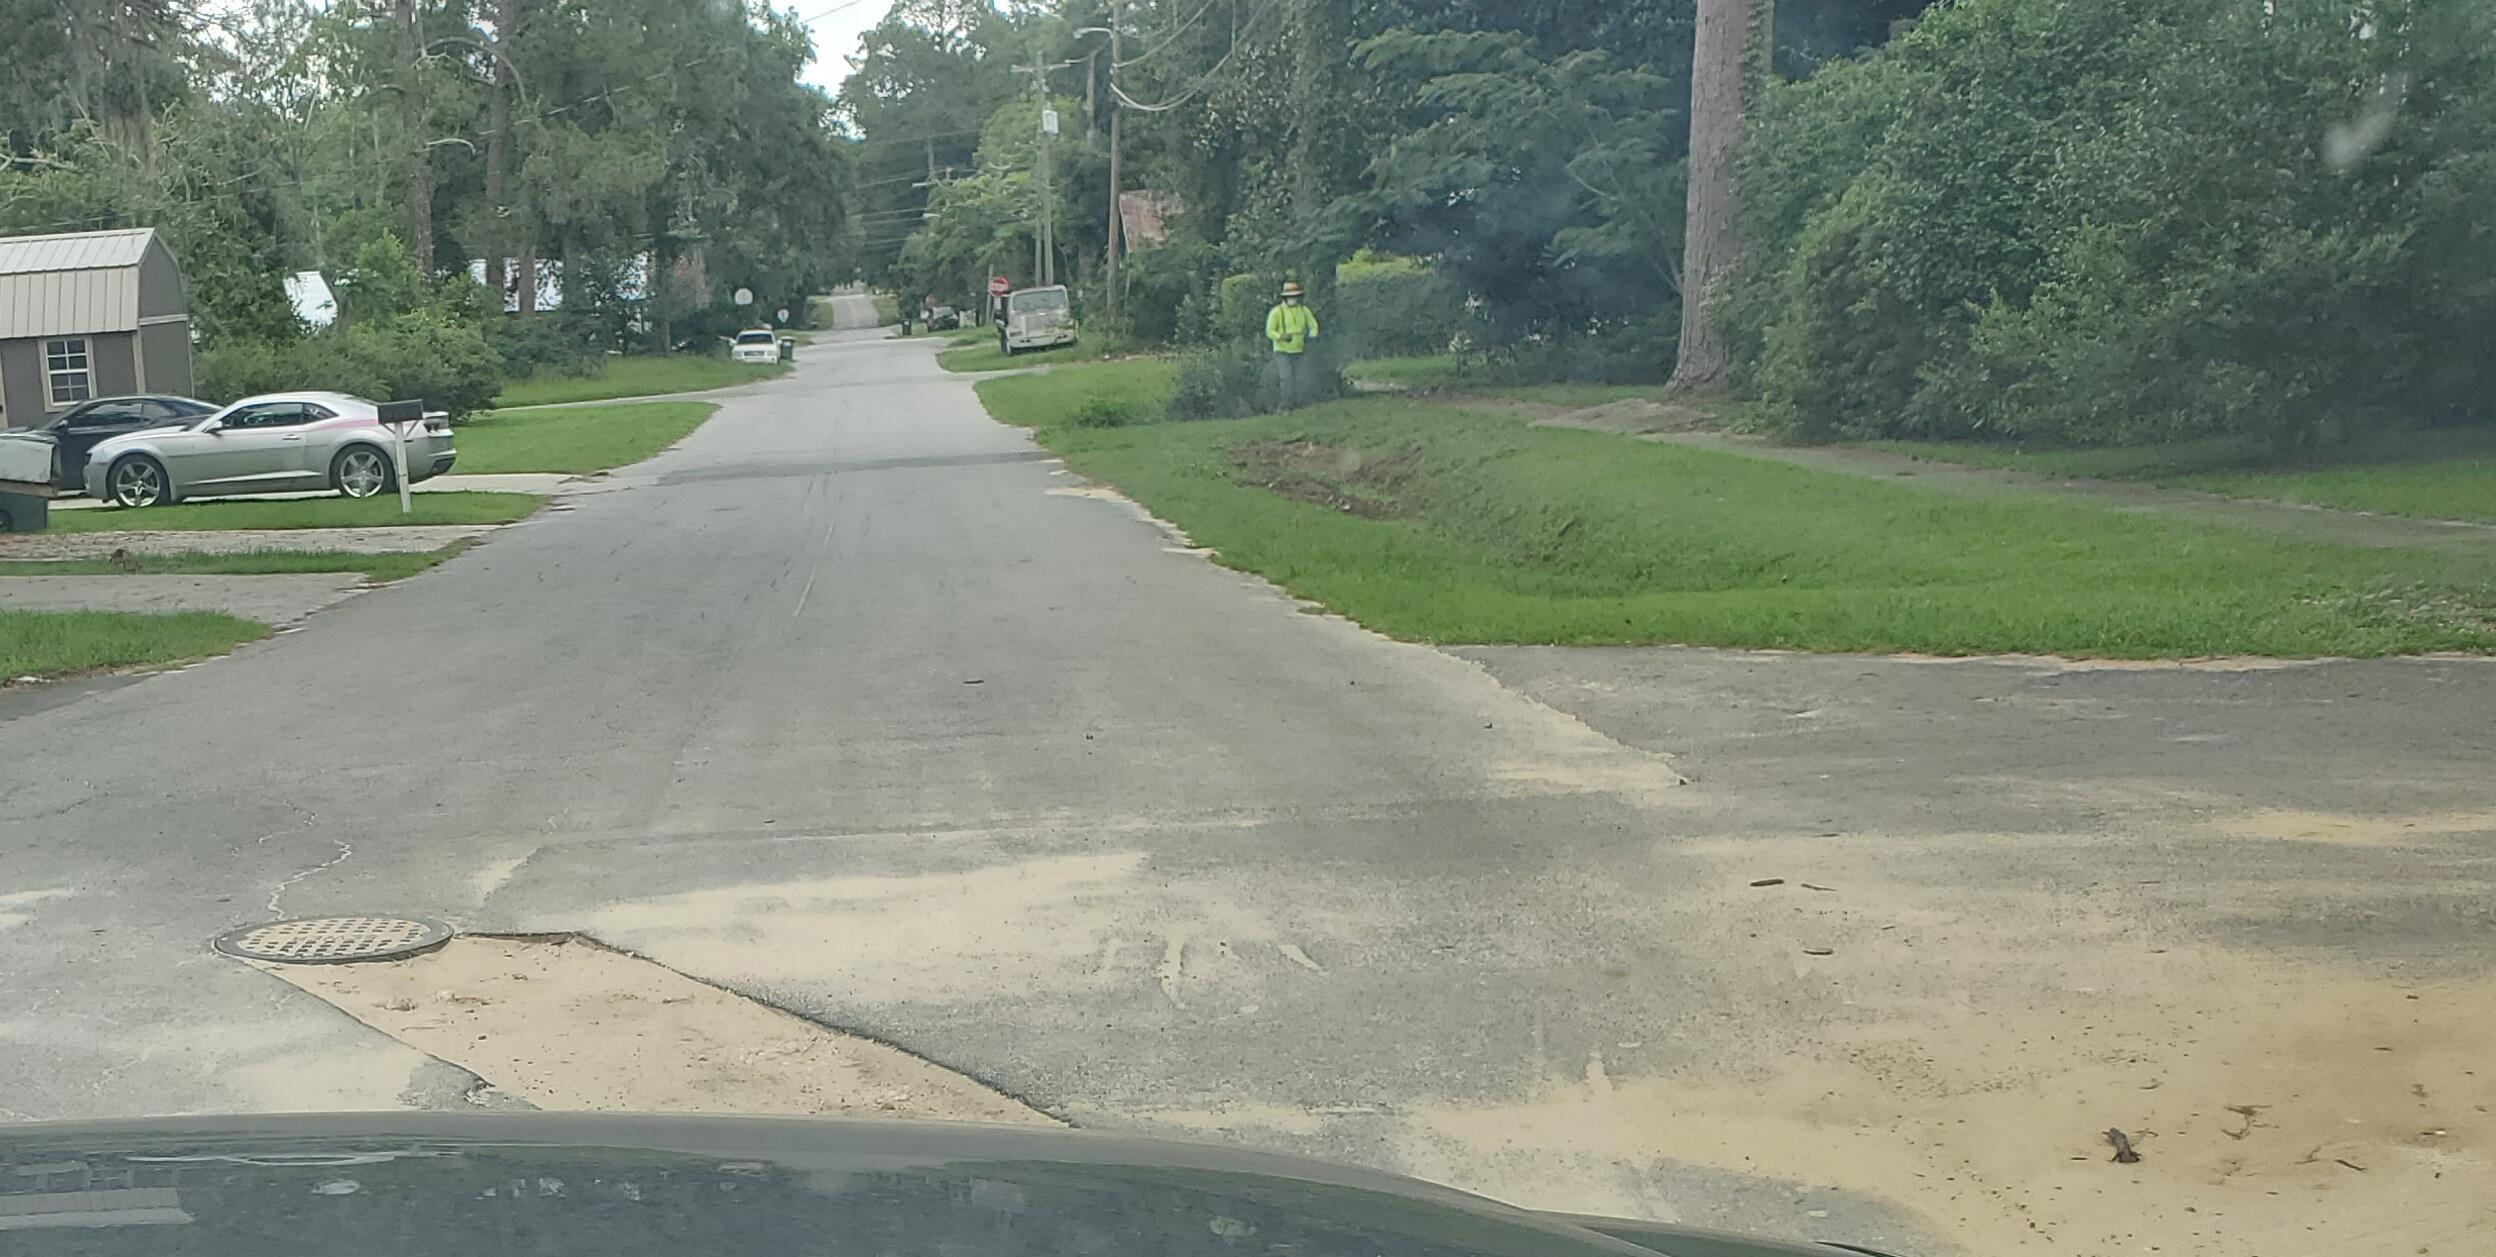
(323,512)
(2448,474)
(635,375)
(574,439)
(63,643)
(1137,385)
(887,309)
(983,354)
(380,567)
(1432,523)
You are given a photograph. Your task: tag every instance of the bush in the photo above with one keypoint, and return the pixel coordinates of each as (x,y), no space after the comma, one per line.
(1237,380)
(1225,382)
(421,355)
(2073,222)
(1109,412)
(551,344)
(1393,307)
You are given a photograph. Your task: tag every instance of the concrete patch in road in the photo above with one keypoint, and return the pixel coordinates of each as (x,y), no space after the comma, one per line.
(566,1024)
(274,599)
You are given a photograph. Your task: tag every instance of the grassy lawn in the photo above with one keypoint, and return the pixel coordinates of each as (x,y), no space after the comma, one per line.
(322,512)
(887,309)
(575,439)
(1432,523)
(980,353)
(635,375)
(1050,401)
(2448,474)
(1446,373)
(381,567)
(60,643)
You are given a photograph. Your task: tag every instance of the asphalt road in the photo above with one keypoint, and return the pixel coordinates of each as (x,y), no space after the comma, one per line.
(856,703)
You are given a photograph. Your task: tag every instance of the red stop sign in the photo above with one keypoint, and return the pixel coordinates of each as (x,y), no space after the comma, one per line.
(999,285)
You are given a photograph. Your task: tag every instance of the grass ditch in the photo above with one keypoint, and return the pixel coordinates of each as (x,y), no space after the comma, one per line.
(1433,523)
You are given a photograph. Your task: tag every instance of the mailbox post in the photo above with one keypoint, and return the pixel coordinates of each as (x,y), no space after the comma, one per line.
(401,418)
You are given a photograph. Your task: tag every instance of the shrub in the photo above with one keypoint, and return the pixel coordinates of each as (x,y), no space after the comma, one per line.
(544,343)
(1224,382)
(1109,412)
(1237,380)
(1393,307)
(445,363)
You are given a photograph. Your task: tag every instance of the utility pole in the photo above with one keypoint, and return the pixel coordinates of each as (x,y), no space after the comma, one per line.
(1044,241)
(1117,14)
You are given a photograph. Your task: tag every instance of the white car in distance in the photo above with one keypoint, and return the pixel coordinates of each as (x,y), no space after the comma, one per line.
(756,345)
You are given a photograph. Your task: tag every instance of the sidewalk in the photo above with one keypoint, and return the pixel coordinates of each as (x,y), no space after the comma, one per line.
(543,484)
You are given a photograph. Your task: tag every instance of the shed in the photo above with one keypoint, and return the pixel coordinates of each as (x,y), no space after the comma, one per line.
(90,314)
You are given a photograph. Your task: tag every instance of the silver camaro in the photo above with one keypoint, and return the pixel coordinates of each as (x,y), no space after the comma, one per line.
(275,443)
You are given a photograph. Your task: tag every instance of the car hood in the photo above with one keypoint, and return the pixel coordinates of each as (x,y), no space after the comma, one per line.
(625,1186)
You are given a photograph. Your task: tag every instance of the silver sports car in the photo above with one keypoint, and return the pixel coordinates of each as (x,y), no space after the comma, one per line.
(276,443)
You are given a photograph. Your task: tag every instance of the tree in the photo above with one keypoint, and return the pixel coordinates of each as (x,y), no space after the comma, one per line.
(1711,250)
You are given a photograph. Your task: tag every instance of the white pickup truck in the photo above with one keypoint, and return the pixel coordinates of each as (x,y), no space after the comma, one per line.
(756,345)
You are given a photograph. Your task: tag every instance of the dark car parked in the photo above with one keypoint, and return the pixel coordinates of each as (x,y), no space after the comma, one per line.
(943,319)
(81,426)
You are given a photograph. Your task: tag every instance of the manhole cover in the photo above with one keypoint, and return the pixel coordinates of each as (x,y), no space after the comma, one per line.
(334,940)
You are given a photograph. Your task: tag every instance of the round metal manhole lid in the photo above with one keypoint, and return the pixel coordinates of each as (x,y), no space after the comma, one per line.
(334,940)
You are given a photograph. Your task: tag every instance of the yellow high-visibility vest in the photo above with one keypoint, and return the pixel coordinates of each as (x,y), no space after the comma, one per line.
(1290,327)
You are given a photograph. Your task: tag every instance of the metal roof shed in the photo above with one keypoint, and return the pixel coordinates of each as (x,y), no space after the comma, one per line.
(89,314)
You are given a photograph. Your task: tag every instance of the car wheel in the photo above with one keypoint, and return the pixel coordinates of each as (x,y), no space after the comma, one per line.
(138,481)
(360,471)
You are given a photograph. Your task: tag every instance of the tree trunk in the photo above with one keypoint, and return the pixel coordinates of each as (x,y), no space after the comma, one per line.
(1711,243)
(419,155)
(498,215)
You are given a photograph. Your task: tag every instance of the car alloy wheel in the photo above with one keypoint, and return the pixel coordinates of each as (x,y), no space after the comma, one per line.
(362,473)
(138,482)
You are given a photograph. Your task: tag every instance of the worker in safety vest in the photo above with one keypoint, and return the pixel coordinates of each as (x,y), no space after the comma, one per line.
(1291,325)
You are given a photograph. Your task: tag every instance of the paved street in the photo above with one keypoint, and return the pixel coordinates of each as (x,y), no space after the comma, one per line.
(855,702)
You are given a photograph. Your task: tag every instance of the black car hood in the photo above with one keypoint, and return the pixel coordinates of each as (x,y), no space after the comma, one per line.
(458,1185)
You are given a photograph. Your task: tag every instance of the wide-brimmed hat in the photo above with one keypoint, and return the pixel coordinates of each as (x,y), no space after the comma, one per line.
(1292,290)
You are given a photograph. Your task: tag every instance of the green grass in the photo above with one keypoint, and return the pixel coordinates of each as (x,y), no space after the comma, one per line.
(2444,474)
(1437,524)
(380,567)
(574,439)
(2453,489)
(887,309)
(1426,373)
(1446,373)
(981,354)
(1141,385)
(62,643)
(638,375)
(323,512)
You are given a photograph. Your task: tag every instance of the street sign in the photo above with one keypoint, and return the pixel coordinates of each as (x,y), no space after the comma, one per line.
(745,296)
(1048,122)
(784,314)
(999,285)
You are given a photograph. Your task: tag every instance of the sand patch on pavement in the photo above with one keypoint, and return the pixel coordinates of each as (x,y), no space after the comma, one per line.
(570,1025)
(2362,831)
(1963,1049)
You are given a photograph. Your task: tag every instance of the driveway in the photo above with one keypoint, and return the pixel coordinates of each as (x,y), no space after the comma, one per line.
(855,702)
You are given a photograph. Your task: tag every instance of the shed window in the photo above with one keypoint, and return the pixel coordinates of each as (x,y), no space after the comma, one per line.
(65,371)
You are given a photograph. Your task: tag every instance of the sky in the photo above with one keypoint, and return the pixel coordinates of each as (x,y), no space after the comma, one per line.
(836,24)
